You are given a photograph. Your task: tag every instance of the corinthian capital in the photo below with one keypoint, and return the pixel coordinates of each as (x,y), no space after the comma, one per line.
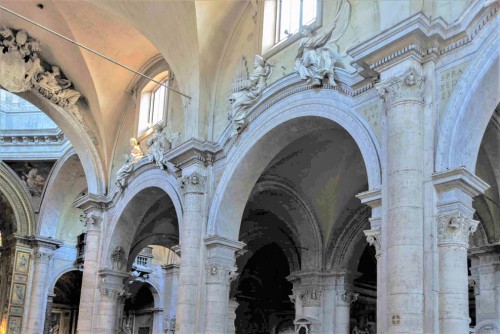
(455,230)
(194,183)
(408,86)
(221,274)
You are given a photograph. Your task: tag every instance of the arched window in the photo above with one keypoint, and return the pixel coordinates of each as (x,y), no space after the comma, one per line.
(154,102)
(284,19)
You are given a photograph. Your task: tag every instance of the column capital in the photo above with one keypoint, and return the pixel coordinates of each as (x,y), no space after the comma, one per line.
(455,230)
(310,295)
(402,87)
(373,198)
(219,273)
(193,183)
(111,284)
(348,296)
(374,238)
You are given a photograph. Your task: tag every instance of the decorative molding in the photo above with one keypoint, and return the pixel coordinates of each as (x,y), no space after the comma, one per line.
(408,86)
(221,274)
(455,230)
(32,139)
(310,295)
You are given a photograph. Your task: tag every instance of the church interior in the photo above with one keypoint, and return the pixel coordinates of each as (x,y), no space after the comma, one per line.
(249,166)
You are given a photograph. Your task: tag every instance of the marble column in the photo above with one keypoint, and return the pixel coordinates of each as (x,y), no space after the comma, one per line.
(92,208)
(158,320)
(486,269)
(171,284)
(231,316)
(43,251)
(112,290)
(193,188)
(308,298)
(220,271)
(455,189)
(342,313)
(402,87)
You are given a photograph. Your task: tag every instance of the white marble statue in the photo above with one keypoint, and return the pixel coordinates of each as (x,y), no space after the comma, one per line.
(34,182)
(250,92)
(319,52)
(158,144)
(135,155)
(22,70)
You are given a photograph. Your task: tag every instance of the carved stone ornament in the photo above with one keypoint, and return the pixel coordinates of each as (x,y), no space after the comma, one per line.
(158,144)
(455,230)
(90,220)
(43,256)
(246,91)
(373,237)
(407,87)
(194,183)
(349,296)
(488,327)
(218,273)
(112,292)
(319,52)
(118,258)
(22,70)
(310,295)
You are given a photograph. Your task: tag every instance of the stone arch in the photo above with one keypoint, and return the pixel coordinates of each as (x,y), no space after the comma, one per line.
(64,176)
(57,275)
(302,221)
(83,142)
(145,177)
(20,200)
(344,248)
(469,110)
(275,126)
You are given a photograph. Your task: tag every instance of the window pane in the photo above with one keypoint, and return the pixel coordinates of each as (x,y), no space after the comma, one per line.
(308,11)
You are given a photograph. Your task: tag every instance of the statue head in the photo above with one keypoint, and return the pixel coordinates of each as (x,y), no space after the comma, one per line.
(133,142)
(21,37)
(55,70)
(258,61)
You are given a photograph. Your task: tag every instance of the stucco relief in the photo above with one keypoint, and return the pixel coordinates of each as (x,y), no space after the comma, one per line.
(159,144)
(22,70)
(118,258)
(456,229)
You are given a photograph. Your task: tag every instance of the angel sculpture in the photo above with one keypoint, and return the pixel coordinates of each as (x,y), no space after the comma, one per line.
(318,52)
(135,155)
(34,182)
(158,144)
(250,93)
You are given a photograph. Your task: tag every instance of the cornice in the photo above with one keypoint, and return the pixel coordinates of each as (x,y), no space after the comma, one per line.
(459,178)
(422,37)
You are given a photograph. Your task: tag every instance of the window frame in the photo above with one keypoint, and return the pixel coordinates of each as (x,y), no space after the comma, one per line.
(270,27)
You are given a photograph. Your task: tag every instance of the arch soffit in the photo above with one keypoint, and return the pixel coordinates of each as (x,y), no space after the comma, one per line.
(155,291)
(57,275)
(139,181)
(464,124)
(78,137)
(267,120)
(19,199)
(44,217)
(304,231)
(340,250)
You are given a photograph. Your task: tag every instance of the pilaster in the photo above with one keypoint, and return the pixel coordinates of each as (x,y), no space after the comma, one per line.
(220,272)
(193,187)
(112,290)
(454,224)
(94,209)
(43,252)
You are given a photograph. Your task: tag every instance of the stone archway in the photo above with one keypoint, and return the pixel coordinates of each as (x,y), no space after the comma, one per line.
(275,128)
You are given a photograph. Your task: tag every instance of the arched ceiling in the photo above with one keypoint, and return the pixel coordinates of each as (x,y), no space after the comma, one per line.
(190,35)
(327,167)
